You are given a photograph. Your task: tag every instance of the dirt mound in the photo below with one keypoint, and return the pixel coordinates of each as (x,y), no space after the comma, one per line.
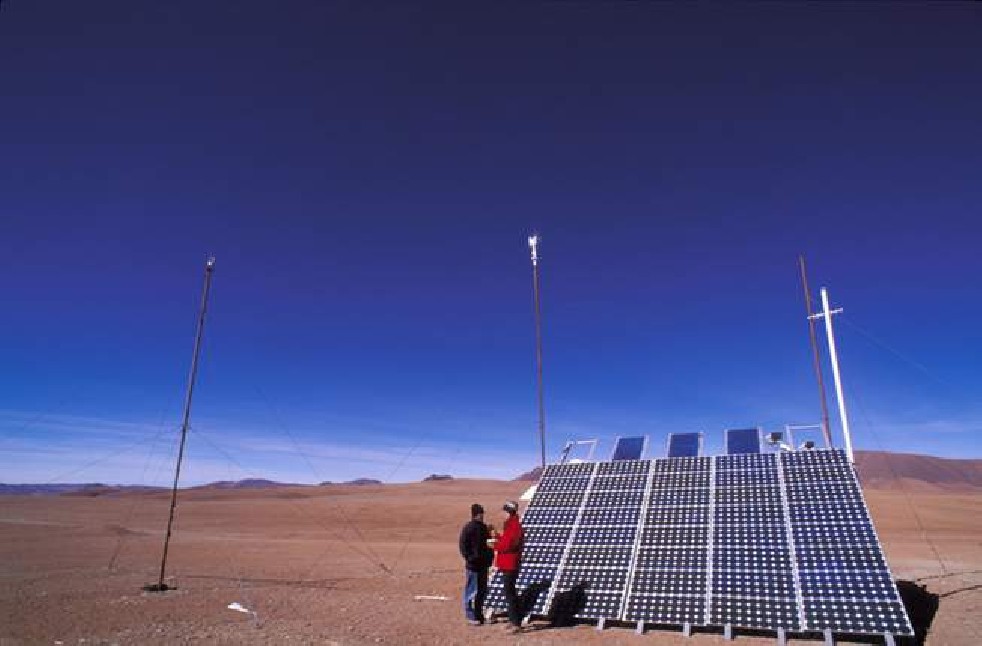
(881,469)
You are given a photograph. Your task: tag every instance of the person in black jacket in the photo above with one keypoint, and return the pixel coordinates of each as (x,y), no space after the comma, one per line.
(478,557)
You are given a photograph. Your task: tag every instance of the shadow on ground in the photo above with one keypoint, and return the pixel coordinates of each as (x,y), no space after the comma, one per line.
(921,606)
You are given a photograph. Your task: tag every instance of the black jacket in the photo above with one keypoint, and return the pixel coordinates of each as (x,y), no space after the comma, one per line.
(474,546)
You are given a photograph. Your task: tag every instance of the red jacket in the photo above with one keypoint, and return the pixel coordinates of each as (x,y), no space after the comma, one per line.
(509,545)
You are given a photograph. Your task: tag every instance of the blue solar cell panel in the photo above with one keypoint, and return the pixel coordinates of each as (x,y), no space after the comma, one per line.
(692,535)
(752,559)
(568,470)
(754,584)
(677,516)
(829,513)
(543,553)
(669,558)
(604,536)
(680,479)
(549,516)
(620,483)
(849,534)
(870,617)
(681,464)
(752,540)
(744,612)
(538,534)
(606,579)
(732,515)
(609,517)
(750,535)
(624,467)
(840,557)
(678,497)
(746,478)
(876,585)
(614,498)
(603,556)
(557,499)
(748,496)
(684,445)
(667,609)
(563,484)
(628,448)
(743,440)
(669,582)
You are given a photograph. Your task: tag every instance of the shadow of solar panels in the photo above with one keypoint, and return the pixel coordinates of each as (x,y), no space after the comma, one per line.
(582,602)
(533,585)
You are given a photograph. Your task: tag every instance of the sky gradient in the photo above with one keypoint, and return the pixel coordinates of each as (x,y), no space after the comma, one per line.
(366,177)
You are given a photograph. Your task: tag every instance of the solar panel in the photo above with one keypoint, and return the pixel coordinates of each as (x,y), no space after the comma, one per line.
(628,448)
(746,540)
(684,445)
(743,440)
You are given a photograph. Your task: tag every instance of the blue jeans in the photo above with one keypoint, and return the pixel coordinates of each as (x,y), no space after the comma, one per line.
(475,590)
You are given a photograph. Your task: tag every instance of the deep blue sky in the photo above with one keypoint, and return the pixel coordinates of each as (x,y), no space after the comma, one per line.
(367,174)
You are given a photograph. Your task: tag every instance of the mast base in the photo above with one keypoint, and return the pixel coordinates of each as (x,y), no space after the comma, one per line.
(158,587)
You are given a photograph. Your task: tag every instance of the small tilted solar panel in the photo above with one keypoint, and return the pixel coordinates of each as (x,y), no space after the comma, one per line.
(684,445)
(628,448)
(742,440)
(749,540)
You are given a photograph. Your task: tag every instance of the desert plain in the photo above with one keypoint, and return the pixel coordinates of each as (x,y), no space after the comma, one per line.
(343,564)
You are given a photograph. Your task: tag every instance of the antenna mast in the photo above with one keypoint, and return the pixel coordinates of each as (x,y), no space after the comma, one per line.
(827,313)
(534,248)
(160,586)
(816,359)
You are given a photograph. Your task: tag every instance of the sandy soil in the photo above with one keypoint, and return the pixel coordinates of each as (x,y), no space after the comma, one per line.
(342,565)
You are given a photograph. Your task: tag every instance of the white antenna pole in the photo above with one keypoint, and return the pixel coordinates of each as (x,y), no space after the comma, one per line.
(534,249)
(834,355)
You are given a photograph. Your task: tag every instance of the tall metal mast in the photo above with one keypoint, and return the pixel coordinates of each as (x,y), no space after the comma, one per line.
(534,248)
(816,358)
(827,313)
(160,586)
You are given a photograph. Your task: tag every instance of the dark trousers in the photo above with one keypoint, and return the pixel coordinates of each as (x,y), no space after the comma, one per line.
(475,591)
(511,597)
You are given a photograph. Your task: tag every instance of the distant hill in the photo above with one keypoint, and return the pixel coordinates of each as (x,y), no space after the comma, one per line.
(248,483)
(437,477)
(71,489)
(881,470)
(530,476)
(363,481)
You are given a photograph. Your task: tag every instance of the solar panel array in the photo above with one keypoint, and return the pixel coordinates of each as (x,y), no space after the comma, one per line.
(757,541)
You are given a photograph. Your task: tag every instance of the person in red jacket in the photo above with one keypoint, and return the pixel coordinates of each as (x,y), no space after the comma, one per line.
(508,559)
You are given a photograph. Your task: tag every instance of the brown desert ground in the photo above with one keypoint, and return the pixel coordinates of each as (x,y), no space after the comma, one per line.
(342,565)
